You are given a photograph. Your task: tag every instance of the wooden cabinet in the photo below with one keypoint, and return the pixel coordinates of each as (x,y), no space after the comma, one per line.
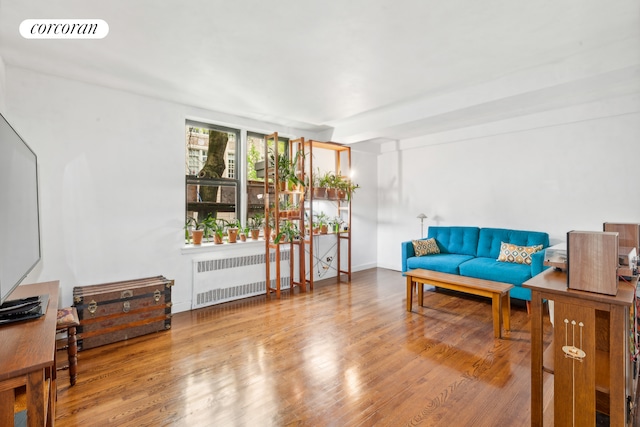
(593,351)
(27,360)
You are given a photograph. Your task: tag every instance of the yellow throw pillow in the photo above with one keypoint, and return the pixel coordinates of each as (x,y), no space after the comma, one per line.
(517,254)
(425,247)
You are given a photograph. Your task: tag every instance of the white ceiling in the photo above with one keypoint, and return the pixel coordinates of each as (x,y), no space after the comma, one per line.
(363,69)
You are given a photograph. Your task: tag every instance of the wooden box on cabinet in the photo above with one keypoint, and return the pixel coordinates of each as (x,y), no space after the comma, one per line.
(593,261)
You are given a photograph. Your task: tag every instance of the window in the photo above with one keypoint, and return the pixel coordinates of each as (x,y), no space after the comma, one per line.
(212,185)
(215,171)
(255,178)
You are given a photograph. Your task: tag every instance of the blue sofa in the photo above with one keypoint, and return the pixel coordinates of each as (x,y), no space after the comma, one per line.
(474,252)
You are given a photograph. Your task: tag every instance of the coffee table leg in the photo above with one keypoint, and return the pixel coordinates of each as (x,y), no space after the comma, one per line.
(496,303)
(410,284)
(506,311)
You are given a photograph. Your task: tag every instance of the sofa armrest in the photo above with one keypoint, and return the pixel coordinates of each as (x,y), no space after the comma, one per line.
(407,252)
(537,263)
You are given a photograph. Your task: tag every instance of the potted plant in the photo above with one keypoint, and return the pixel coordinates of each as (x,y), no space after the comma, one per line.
(335,223)
(322,221)
(233,227)
(197,230)
(189,226)
(210,225)
(289,232)
(327,181)
(243,233)
(255,223)
(219,230)
(214,227)
(351,188)
(342,185)
(319,189)
(294,183)
(283,170)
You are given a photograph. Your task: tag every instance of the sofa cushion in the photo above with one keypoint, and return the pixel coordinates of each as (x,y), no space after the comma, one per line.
(455,240)
(444,263)
(490,239)
(424,247)
(492,269)
(517,254)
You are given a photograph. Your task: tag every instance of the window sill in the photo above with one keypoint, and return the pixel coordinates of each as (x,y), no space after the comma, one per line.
(207,247)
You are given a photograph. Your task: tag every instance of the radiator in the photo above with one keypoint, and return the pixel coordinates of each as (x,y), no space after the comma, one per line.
(218,280)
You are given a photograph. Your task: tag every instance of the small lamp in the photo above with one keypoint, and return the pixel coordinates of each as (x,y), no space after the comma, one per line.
(421,217)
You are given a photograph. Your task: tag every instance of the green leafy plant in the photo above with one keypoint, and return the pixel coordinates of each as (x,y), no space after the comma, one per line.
(215,227)
(256,221)
(335,223)
(322,219)
(189,224)
(326,179)
(288,230)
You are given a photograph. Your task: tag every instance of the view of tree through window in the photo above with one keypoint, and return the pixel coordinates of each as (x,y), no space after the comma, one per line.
(213,170)
(211,175)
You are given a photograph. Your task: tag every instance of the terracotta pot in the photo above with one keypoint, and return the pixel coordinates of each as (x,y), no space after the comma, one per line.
(217,239)
(324,229)
(243,237)
(342,194)
(196,236)
(255,234)
(332,193)
(319,192)
(233,235)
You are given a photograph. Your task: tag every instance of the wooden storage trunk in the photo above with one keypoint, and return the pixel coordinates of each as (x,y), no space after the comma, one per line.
(118,311)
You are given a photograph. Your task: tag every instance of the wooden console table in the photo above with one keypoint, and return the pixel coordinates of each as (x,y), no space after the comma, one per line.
(27,355)
(595,371)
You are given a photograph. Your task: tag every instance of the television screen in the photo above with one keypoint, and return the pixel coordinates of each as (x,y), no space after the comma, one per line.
(19,215)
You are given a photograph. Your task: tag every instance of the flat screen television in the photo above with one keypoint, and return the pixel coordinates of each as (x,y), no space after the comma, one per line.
(20,248)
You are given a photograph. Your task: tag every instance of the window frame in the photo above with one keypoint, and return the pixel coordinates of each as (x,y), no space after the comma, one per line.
(241,180)
(222,182)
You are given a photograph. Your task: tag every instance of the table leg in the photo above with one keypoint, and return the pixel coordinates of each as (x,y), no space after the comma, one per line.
(35,398)
(420,286)
(7,401)
(536,360)
(496,308)
(410,285)
(506,311)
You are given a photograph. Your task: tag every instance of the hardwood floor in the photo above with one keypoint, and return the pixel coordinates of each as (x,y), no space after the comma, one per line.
(342,355)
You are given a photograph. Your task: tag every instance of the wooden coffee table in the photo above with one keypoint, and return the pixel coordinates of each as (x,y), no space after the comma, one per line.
(497,291)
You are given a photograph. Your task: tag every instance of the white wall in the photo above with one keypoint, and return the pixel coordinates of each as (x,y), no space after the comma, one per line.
(561,170)
(112,182)
(2,86)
